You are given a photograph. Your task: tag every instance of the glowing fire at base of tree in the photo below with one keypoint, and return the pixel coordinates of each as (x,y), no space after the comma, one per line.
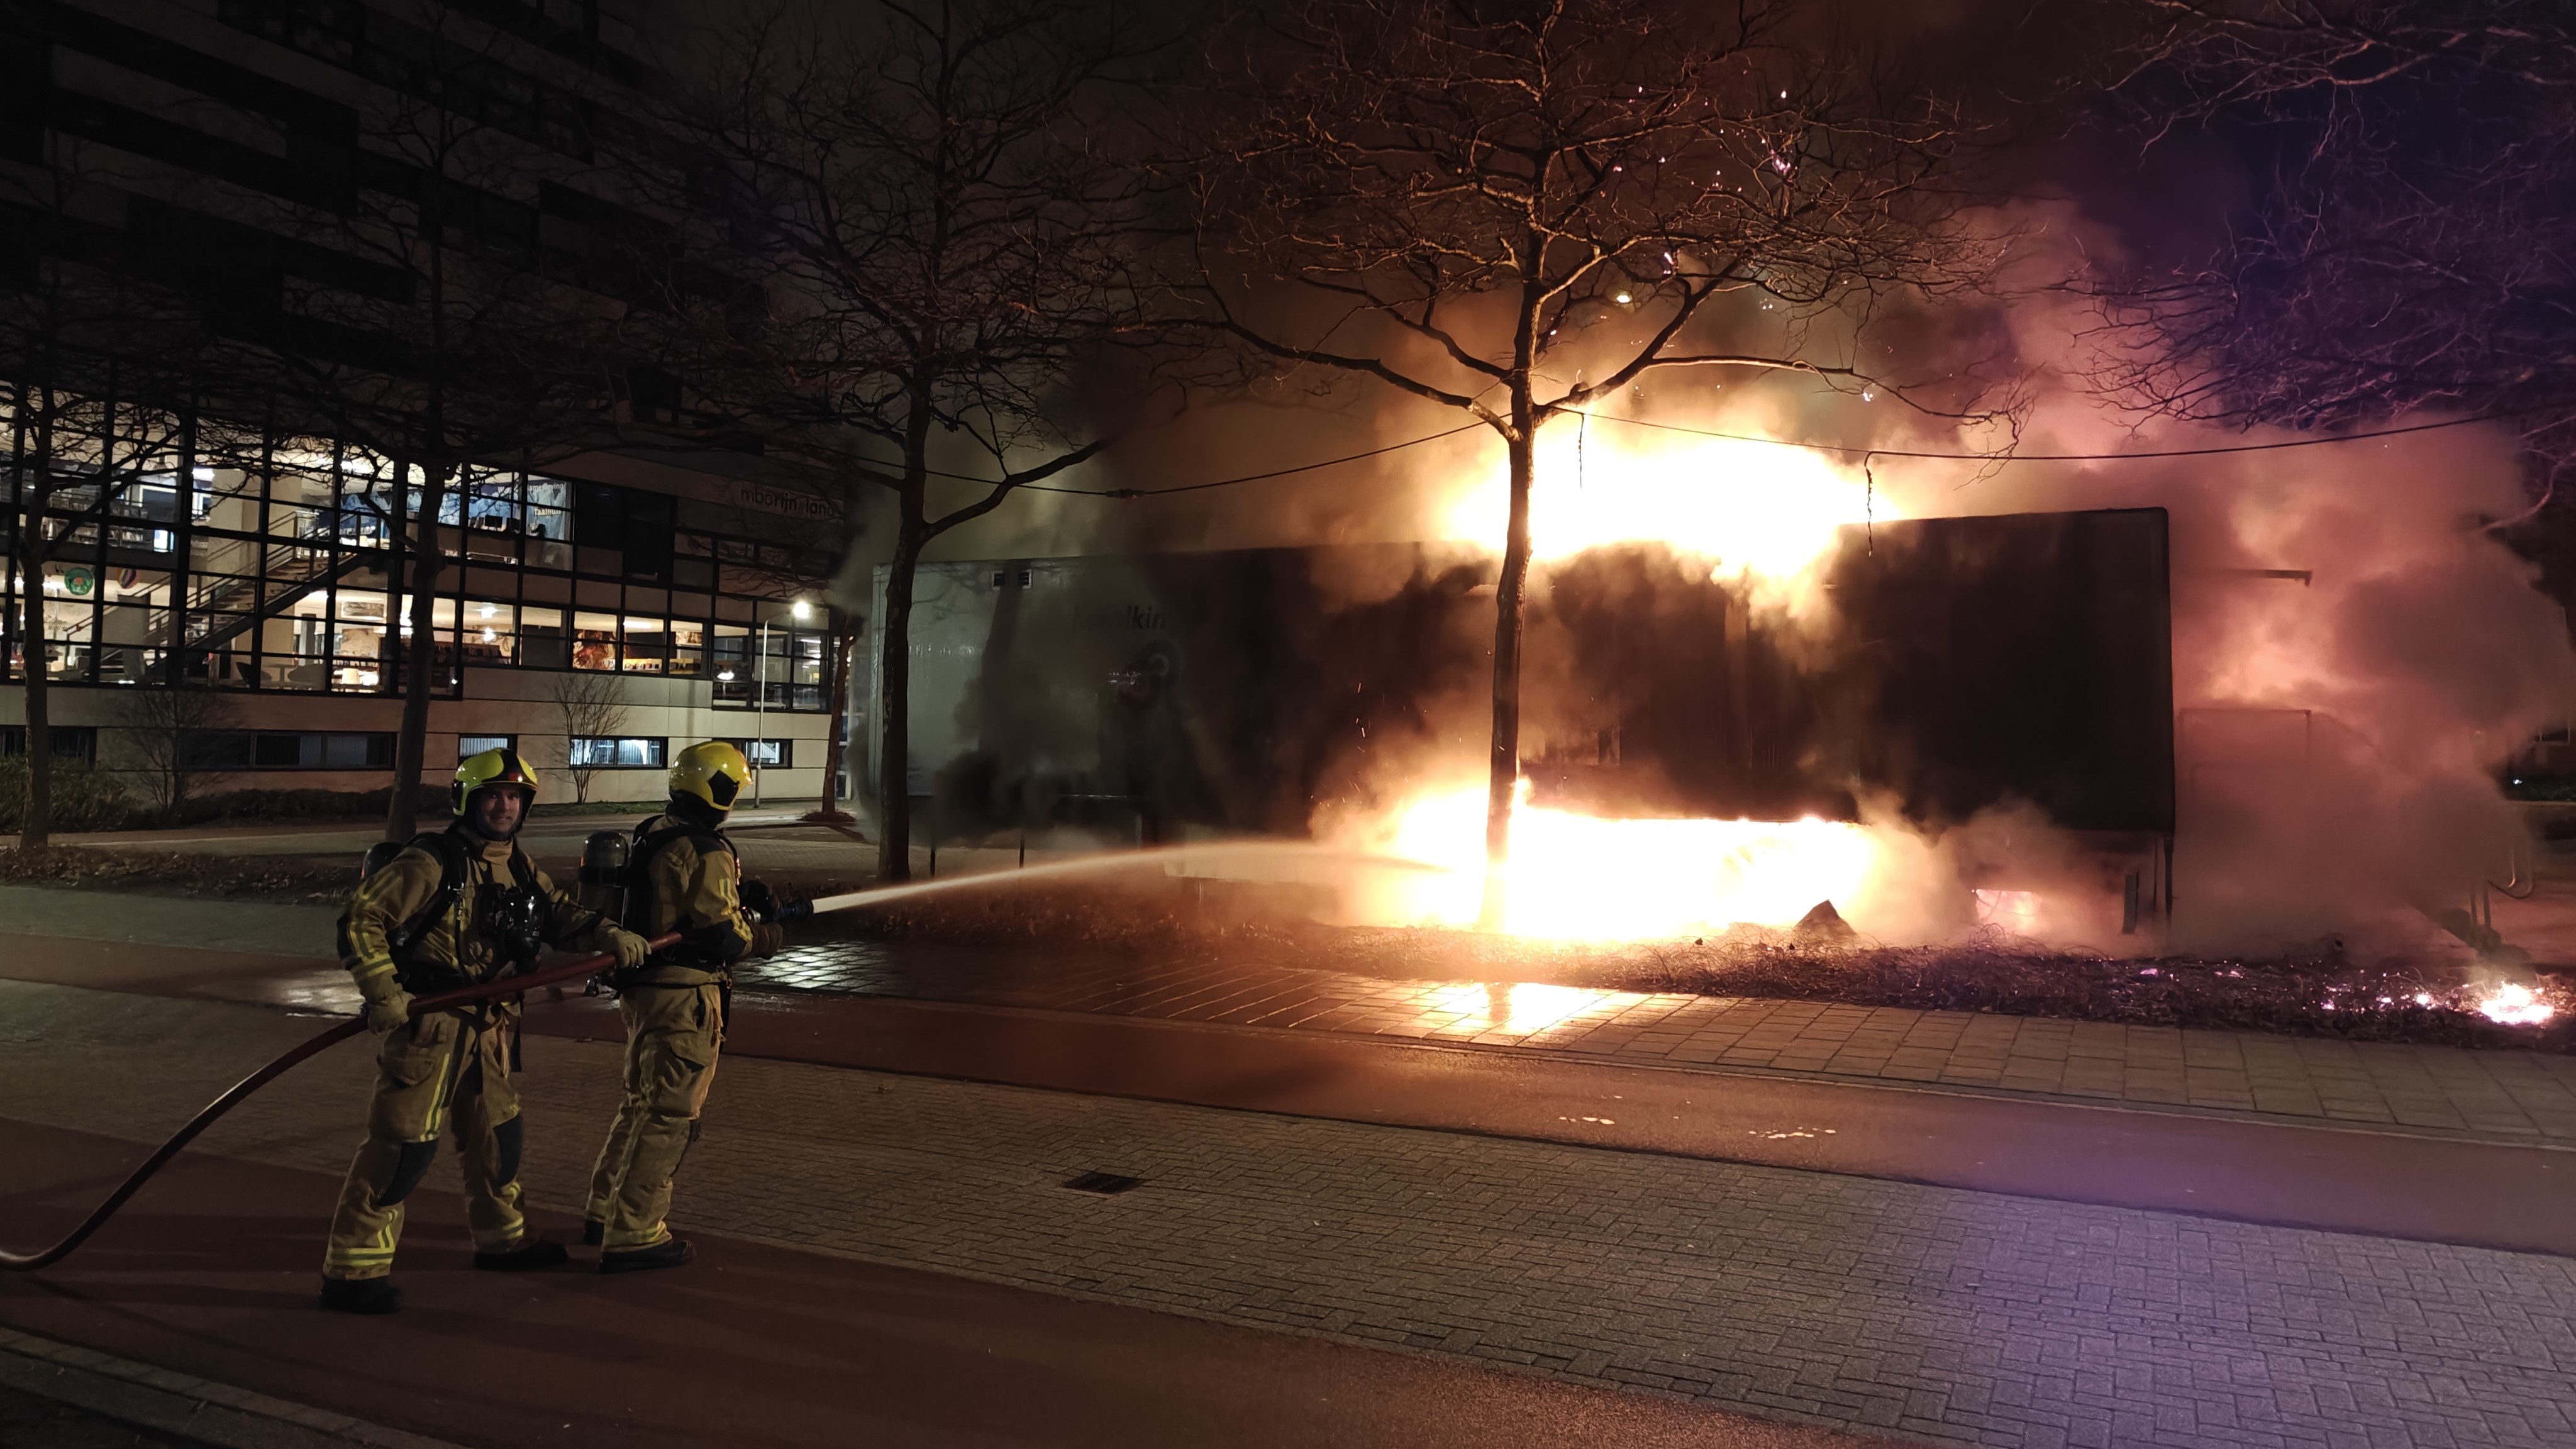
(1579,877)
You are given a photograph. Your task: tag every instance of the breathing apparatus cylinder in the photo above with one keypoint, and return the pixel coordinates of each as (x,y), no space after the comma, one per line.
(604,859)
(379,855)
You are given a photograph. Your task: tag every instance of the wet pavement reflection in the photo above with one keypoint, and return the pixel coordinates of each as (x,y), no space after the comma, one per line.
(1242,989)
(2519,1095)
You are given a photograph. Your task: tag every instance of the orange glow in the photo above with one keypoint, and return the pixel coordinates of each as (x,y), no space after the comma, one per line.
(1578,877)
(1755,512)
(2514,1004)
(1755,515)
(2014,911)
(1516,1008)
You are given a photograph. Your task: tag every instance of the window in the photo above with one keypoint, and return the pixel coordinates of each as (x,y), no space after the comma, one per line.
(287,750)
(468,746)
(771,753)
(68,742)
(278,575)
(784,663)
(623,752)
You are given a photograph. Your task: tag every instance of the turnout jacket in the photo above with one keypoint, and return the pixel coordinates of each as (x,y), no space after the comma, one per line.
(693,885)
(393,896)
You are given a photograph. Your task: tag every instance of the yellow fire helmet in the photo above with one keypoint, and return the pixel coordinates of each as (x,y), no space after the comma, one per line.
(713,771)
(492,767)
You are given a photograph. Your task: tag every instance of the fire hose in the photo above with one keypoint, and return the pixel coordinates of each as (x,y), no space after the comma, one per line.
(502,986)
(552,975)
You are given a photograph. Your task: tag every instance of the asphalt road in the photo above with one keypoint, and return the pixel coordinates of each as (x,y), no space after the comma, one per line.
(2384,1183)
(211,1273)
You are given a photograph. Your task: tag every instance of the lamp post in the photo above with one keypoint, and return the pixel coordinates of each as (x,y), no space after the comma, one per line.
(760,712)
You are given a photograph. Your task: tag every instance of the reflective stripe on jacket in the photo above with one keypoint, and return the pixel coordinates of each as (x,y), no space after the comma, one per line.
(384,902)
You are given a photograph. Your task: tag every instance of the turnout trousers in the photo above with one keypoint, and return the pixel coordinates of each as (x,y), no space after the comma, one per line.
(446,1068)
(673,1034)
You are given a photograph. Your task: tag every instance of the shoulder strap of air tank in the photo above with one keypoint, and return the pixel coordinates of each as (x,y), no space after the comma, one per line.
(639,862)
(639,871)
(444,847)
(649,846)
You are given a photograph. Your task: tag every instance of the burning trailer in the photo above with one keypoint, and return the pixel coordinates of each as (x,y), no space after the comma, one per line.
(1696,755)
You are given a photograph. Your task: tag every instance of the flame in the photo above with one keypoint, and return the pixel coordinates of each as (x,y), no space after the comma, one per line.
(2514,1004)
(1760,512)
(1581,877)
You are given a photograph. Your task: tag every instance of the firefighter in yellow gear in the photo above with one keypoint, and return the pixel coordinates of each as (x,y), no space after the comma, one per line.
(682,875)
(447,911)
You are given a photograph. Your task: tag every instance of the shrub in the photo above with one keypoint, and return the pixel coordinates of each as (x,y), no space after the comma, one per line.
(302,805)
(83,798)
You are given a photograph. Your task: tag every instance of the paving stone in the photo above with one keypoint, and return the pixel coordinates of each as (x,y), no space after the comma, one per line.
(1952,1316)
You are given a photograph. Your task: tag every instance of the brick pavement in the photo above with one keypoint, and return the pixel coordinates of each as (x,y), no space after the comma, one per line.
(2508,1095)
(1953,1316)
(2503,1095)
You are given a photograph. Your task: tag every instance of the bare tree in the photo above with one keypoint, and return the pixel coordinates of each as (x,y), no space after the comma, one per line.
(97,351)
(944,244)
(73,454)
(844,640)
(167,729)
(1462,195)
(2405,247)
(590,707)
(467,334)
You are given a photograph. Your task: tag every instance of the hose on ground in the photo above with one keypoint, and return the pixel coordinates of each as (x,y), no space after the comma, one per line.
(503,986)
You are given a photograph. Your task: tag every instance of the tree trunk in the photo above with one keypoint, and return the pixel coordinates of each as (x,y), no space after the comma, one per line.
(894,695)
(36,830)
(837,677)
(35,490)
(402,814)
(1504,767)
(894,679)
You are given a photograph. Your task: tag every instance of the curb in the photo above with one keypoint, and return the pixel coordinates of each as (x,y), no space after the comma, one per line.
(175,1403)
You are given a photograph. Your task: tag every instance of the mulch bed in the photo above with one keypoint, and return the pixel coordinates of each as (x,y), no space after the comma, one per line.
(2324,990)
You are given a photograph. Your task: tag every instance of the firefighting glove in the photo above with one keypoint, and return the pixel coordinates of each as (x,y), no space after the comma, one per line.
(766,939)
(630,948)
(388,1005)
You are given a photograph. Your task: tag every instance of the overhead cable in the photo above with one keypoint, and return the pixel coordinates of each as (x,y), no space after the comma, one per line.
(1854,450)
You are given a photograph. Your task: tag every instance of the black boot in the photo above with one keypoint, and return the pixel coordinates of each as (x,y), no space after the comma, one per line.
(361,1295)
(593,1232)
(531,1253)
(669,1253)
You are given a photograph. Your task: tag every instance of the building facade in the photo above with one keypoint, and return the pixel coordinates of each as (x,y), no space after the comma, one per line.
(630,594)
(694,597)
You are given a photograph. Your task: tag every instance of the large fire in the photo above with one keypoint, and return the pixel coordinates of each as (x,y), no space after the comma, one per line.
(1757,514)
(1579,877)
(1761,513)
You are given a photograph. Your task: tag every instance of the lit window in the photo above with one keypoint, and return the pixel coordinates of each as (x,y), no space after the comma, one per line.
(772,754)
(612,753)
